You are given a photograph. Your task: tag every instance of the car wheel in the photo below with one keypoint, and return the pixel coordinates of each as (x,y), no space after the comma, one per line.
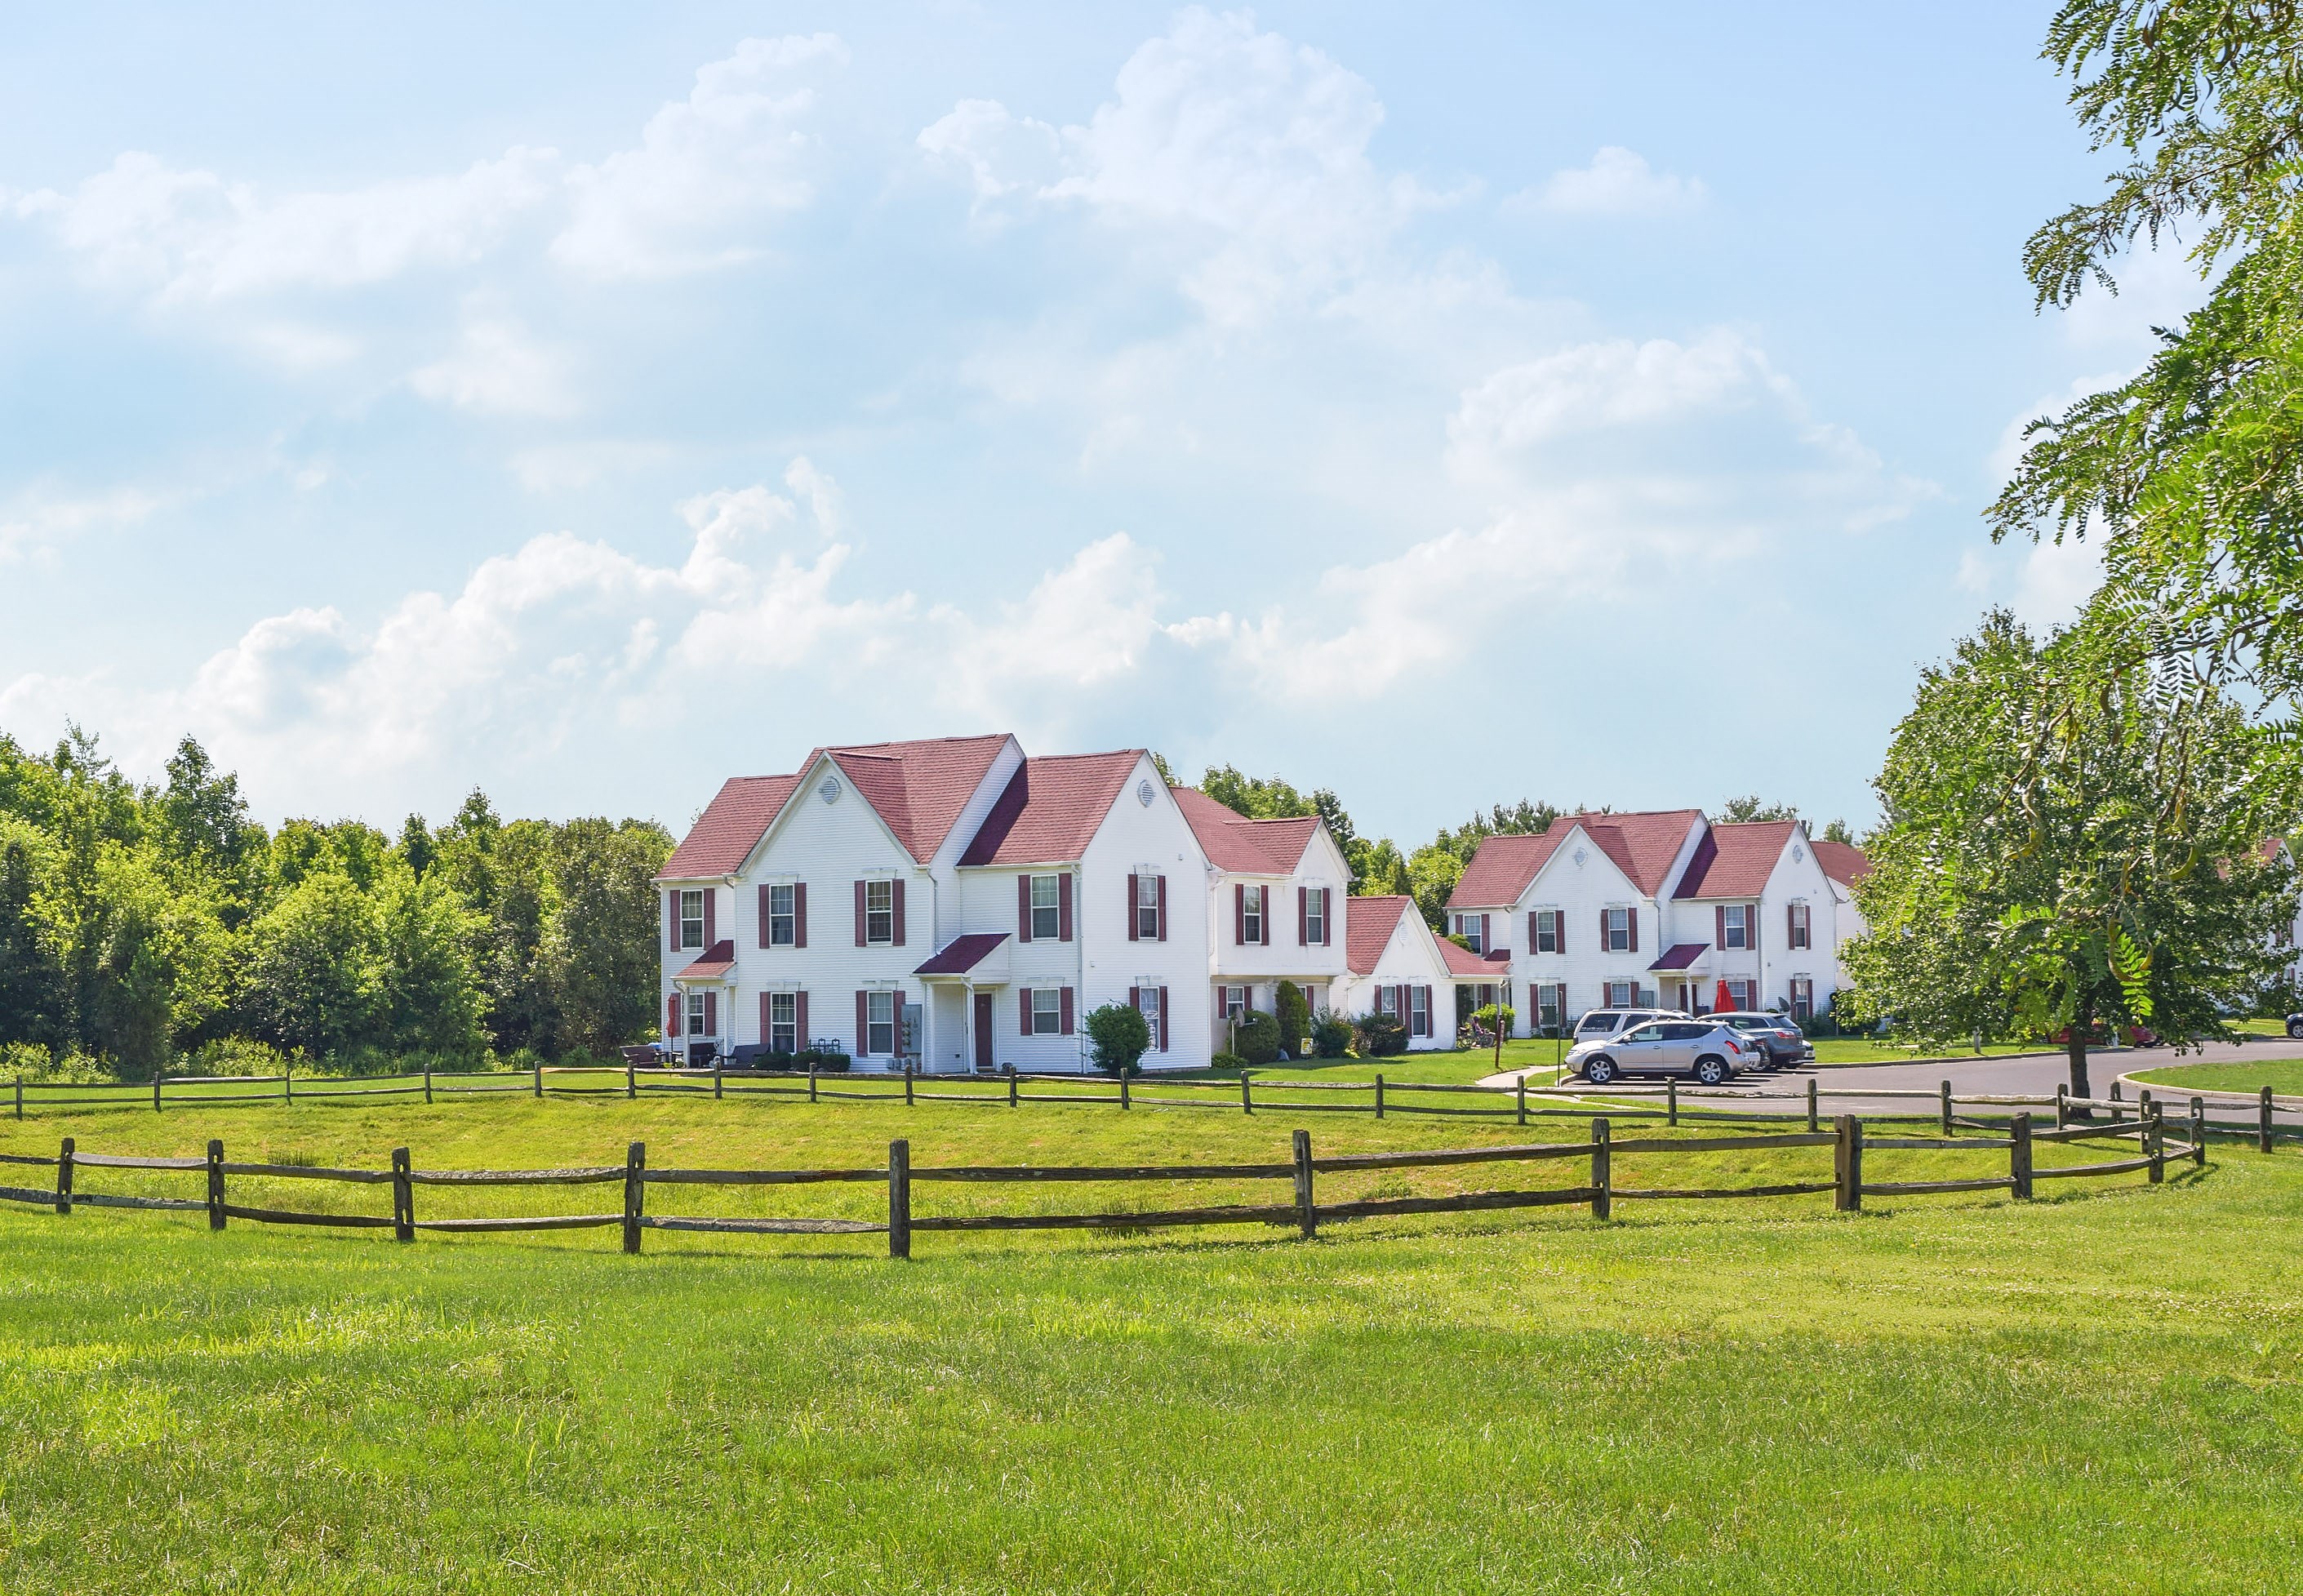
(2295,1029)
(1711,1071)
(1599,1071)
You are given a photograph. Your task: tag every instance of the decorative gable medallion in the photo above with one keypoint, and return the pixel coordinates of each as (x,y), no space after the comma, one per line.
(1144,793)
(1579,857)
(1799,854)
(829,791)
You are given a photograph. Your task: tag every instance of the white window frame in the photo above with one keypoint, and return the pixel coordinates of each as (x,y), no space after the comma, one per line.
(1803,926)
(1631,989)
(1050,929)
(783,923)
(1147,906)
(880,1015)
(1147,1004)
(1616,930)
(1737,921)
(687,896)
(1803,994)
(1467,926)
(880,912)
(1546,999)
(1315,915)
(788,1003)
(1419,1011)
(1253,902)
(1547,925)
(1047,1012)
(1234,1002)
(696,1026)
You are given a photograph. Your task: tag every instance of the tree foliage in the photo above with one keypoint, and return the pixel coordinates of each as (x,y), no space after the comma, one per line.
(2063,844)
(1118,1038)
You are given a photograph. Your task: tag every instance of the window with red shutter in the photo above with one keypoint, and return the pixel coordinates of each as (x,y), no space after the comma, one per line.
(1134,918)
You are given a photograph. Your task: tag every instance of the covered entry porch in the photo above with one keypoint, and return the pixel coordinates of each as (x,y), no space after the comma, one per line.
(964,983)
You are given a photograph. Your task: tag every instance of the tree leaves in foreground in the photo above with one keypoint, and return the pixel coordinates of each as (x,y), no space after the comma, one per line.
(2191,472)
(2063,844)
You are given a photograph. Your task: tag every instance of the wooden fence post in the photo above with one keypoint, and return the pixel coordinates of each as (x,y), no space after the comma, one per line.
(900,1199)
(1307,1216)
(1946,1108)
(1246,1104)
(2019,1151)
(215,1185)
(1521,1096)
(717,1095)
(635,1193)
(632,1079)
(811,1080)
(1671,1102)
(539,1078)
(1848,1165)
(20,1100)
(2062,1104)
(1603,1173)
(1011,1086)
(908,1082)
(156,1076)
(2117,1118)
(404,1197)
(427,1082)
(2154,1143)
(2262,1128)
(64,1178)
(2199,1132)
(1379,1094)
(1811,1124)
(288,1083)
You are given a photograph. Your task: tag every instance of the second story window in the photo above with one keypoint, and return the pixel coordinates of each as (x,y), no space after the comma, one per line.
(1547,930)
(1801,933)
(879,913)
(1618,923)
(1734,932)
(1315,918)
(783,916)
(1147,907)
(1046,908)
(1472,928)
(1251,916)
(691,918)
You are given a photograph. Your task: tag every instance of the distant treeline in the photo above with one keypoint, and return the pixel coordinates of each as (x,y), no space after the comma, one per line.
(145,926)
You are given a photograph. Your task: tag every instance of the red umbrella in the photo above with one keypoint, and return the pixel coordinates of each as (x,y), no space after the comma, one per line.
(1725,1001)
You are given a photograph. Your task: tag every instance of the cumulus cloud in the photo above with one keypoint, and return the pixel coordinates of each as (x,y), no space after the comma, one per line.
(497,369)
(1610,383)
(1618,182)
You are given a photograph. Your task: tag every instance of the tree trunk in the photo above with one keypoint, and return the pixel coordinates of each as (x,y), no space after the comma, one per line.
(2075,1046)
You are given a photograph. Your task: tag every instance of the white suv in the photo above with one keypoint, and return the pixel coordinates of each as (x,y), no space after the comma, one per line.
(1710,1051)
(1603,1023)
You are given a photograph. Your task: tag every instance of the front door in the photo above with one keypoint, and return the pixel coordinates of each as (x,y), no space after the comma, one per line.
(982,1030)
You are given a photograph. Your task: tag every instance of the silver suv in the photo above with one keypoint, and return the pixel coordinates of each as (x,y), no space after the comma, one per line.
(1704,1049)
(1776,1038)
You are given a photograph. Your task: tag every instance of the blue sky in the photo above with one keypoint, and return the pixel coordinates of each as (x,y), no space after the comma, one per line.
(592,402)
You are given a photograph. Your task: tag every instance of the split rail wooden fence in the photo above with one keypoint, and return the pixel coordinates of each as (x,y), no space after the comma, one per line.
(1847,1138)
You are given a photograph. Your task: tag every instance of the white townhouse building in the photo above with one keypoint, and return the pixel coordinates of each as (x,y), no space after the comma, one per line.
(1275,901)
(1661,909)
(957,905)
(1396,966)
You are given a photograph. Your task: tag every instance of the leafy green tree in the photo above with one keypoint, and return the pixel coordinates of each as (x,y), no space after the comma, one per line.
(315,976)
(203,833)
(2063,844)
(1738,810)
(162,963)
(33,1000)
(1118,1038)
(417,848)
(1838,831)
(428,992)
(1434,869)
(603,946)
(2185,472)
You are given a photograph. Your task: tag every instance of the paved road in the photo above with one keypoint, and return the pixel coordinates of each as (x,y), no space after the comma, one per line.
(2032,1075)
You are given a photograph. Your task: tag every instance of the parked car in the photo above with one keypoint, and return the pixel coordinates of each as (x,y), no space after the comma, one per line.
(1602,1023)
(2295,1026)
(1781,1042)
(2099,1034)
(1704,1049)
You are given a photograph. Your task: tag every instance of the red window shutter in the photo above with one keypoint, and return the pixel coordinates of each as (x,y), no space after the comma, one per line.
(1163,1019)
(671,921)
(799,1016)
(1023,909)
(1023,1012)
(863,1023)
(1063,907)
(1162,890)
(1719,927)
(1133,926)
(1303,916)
(799,917)
(859,914)
(1632,918)
(1135,999)
(711,1014)
(1533,942)
(764,1019)
(1427,1016)
(1559,936)
(764,920)
(1239,914)
(898,905)
(1486,945)
(1327,916)
(711,919)
(1605,946)
(672,1015)
(1064,1003)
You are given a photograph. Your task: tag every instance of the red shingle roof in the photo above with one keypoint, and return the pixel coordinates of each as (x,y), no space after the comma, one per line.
(1052,809)
(1232,841)
(917,788)
(1368,925)
(713,963)
(1735,860)
(1842,861)
(1642,845)
(1464,962)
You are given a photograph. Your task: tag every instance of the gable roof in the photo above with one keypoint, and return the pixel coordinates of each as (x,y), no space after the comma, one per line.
(1844,862)
(1642,845)
(1463,961)
(1735,860)
(1368,925)
(962,953)
(918,789)
(1051,808)
(1232,841)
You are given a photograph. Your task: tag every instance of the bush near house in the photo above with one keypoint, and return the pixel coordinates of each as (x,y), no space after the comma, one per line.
(1118,1038)
(1295,1016)
(1331,1037)
(1255,1037)
(1379,1035)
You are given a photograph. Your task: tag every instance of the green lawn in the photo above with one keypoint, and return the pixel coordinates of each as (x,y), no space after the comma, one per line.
(2094,1392)
(2285,1077)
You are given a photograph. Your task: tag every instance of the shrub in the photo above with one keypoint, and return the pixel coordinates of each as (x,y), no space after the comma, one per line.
(1118,1038)
(1332,1036)
(824,1056)
(1256,1038)
(1295,1019)
(1484,1016)
(1226,1061)
(234,1055)
(1379,1035)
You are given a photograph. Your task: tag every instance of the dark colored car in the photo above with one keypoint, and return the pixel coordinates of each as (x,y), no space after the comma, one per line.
(2295,1026)
(1780,1043)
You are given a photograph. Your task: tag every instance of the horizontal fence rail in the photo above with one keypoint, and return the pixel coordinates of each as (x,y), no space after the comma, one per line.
(1299,1206)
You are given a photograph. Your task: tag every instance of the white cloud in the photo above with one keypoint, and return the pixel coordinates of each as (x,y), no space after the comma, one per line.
(690,196)
(40,517)
(1618,182)
(1237,155)
(1611,384)
(497,369)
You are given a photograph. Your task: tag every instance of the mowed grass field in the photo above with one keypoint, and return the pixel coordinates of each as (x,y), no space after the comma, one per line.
(2285,1077)
(2100,1391)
